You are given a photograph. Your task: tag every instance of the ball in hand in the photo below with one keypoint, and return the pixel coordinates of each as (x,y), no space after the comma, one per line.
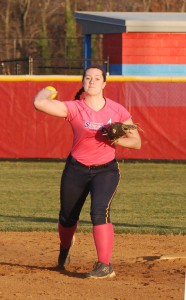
(51,88)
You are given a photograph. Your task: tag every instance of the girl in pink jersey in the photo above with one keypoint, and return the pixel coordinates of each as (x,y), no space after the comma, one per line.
(91,166)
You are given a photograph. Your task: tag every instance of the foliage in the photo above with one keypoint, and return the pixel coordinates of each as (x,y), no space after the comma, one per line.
(43,42)
(24,22)
(71,42)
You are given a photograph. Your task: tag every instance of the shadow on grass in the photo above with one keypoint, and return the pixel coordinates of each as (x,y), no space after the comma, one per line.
(82,222)
(146,225)
(32,219)
(137,225)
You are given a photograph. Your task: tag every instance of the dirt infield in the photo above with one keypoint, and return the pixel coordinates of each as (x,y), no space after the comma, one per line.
(146,266)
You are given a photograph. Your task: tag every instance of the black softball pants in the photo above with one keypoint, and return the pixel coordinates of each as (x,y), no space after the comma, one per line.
(77,181)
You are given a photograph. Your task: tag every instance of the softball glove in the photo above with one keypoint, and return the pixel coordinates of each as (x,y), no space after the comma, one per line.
(116,130)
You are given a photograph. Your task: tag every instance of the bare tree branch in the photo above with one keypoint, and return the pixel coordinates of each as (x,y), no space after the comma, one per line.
(146,4)
(183,6)
(24,8)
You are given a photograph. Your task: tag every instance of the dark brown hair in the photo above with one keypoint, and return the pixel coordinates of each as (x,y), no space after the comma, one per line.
(95,67)
(78,94)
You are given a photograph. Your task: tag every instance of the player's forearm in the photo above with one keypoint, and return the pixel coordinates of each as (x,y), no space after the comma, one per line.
(44,103)
(131,142)
(42,99)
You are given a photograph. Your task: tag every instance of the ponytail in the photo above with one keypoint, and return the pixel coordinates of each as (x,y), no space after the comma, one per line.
(78,94)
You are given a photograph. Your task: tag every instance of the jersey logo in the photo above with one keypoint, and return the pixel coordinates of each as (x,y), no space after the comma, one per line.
(96,126)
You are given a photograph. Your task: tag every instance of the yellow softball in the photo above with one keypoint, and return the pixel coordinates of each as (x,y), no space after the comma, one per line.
(51,88)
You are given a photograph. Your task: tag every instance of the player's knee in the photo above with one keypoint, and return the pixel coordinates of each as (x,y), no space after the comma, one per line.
(67,222)
(99,218)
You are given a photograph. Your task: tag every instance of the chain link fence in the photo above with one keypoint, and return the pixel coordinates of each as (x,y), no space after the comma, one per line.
(48,56)
(40,66)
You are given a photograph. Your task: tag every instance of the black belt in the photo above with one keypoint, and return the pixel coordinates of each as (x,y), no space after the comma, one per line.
(92,167)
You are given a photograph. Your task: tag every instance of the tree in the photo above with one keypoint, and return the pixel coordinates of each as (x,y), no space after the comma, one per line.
(43,40)
(5,19)
(183,6)
(40,28)
(23,7)
(71,41)
(146,4)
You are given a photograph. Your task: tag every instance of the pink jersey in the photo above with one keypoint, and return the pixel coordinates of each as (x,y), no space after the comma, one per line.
(90,147)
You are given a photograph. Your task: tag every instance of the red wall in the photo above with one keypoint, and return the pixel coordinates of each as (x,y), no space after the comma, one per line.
(159,108)
(112,47)
(145,48)
(154,48)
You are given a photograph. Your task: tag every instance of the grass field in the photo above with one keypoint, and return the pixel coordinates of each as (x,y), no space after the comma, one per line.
(150,199)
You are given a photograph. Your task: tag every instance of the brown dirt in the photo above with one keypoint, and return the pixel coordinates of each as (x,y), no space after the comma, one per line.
(28,268)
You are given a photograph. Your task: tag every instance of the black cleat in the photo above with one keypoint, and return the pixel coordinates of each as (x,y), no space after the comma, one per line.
(101,270)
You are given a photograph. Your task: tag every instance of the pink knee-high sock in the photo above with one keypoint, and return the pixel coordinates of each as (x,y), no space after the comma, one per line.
(104,239)
(66,234)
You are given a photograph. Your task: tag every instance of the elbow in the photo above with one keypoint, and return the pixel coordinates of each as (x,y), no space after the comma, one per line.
(34,104)
(138,145)
(37,104)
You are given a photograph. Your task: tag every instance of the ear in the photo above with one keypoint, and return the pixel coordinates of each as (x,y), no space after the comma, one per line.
(104,84)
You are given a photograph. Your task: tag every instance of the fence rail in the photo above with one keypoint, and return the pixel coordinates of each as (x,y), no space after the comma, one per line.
(52,66)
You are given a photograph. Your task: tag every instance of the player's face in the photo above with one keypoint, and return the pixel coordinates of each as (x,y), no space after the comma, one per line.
(93,82)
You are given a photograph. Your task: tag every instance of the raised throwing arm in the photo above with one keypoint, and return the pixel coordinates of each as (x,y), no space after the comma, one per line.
(44,103)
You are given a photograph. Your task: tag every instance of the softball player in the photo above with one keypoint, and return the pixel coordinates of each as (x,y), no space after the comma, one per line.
(91,166)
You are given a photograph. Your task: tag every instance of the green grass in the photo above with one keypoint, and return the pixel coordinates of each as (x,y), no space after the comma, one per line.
(150,198)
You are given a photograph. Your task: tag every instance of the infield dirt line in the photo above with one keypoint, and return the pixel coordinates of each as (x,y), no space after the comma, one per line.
(173,256)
